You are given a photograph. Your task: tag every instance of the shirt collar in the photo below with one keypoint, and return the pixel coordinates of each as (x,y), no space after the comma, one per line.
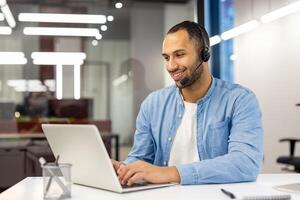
(203,99)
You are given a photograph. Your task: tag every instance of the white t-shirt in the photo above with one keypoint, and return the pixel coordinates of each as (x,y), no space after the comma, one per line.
(184,148)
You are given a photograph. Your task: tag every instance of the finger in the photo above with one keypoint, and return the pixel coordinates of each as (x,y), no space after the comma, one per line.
(122,171)
(128,175)
(115,164)
(137,177)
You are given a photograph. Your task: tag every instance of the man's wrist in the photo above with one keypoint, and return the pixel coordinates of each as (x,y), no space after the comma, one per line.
(173,174)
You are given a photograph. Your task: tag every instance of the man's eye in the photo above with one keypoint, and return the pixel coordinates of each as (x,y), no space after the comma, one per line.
(180,55)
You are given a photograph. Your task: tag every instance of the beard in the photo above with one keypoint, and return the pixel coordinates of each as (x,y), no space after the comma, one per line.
(192,78)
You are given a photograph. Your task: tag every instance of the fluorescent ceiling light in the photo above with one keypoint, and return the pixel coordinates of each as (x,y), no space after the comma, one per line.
(110,18)
(240,30)
(23,85)
(11,54)
(54,55)
(8,15)
(95,42)
(12,58)
(103,28)
(118,5)
(55,58)
(233,57)
(1,17)
(5,30)
(77,81)
(57,61)
(62,18)
(281,12)
(56,31)
(120,80)
(214,40)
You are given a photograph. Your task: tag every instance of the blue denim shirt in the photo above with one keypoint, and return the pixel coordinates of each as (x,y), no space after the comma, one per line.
(229,133)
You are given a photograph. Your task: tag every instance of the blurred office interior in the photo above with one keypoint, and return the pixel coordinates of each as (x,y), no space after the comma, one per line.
(98,72)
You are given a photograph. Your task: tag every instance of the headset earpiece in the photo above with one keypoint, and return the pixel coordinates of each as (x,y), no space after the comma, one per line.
(205,54)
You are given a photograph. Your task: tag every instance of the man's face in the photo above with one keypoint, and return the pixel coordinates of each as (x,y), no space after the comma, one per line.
(181,57)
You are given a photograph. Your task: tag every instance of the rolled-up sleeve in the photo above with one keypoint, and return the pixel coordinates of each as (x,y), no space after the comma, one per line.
(143,147)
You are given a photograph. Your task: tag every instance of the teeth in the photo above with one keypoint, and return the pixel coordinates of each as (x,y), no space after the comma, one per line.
(178,74)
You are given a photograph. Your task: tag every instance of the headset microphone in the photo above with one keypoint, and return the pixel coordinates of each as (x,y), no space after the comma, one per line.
(186,80)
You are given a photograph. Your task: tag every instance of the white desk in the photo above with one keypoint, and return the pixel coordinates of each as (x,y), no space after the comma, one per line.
(31,189)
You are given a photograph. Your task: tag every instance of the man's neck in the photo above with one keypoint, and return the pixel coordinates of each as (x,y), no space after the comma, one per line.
(198,90)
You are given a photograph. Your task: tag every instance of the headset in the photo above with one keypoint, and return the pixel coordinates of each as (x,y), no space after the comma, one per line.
(204,55)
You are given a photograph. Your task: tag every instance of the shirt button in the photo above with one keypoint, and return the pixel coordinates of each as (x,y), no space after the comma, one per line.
(179,116)
(165,163)
(170,139)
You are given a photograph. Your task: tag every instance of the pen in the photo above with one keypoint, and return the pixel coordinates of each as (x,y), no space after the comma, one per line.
(50,180)
(228,193)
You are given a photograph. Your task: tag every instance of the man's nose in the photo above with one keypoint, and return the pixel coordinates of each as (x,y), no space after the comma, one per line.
(172,65)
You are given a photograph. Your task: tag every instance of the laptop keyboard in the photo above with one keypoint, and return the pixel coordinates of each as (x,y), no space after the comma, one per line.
(134,185)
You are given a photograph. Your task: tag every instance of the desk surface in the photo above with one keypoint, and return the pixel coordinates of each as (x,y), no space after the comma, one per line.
(31,189)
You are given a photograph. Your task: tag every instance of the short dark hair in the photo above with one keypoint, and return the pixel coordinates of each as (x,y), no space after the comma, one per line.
(195,31)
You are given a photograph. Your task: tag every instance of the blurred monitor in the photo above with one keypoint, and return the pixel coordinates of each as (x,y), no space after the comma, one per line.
(71,108)
(7,110)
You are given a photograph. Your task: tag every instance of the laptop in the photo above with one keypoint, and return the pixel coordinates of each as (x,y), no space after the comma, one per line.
(82,146)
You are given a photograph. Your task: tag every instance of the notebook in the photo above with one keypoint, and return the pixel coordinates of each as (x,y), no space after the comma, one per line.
(294,187)
(254,192)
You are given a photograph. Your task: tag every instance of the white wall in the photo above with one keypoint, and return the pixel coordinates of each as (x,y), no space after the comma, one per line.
(146,35)
(268,63)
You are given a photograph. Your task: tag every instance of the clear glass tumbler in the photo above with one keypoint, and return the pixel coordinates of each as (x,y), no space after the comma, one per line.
(57,181)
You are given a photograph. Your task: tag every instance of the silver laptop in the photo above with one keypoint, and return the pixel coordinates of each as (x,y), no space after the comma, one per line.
(82,146)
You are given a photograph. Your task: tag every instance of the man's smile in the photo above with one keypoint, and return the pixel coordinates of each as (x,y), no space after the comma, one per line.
(178,75)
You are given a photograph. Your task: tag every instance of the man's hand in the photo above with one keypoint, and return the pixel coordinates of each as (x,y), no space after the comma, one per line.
(143,171)
(117,164)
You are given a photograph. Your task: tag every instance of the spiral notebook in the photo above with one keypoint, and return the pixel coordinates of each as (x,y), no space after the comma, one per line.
(254,192)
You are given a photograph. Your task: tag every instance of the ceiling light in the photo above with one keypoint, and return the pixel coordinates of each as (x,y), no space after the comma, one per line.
(12,58)
(55,31)
(281,12)
(94,42)
(60,55)
(5,30)
(233,57)
(214,40)
(120,80)
(99,36)
(23,85)
(110,18)
(240,30)
(103,28)
(62,18)
(118,5)
(55,58)
(7,14)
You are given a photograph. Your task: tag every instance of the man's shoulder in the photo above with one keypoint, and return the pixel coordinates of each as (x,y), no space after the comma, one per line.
(232,88)
(163,94)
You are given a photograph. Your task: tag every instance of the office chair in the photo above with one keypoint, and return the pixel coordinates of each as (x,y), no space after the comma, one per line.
(290,160)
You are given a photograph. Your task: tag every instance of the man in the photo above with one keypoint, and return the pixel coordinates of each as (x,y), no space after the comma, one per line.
(200,130)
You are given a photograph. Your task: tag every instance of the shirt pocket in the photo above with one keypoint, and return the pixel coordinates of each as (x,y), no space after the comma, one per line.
(218,136)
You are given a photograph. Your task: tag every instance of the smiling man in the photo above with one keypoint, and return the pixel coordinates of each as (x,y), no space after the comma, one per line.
(200,130)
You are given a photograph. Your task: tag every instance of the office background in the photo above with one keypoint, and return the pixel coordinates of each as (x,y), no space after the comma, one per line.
(125,65)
